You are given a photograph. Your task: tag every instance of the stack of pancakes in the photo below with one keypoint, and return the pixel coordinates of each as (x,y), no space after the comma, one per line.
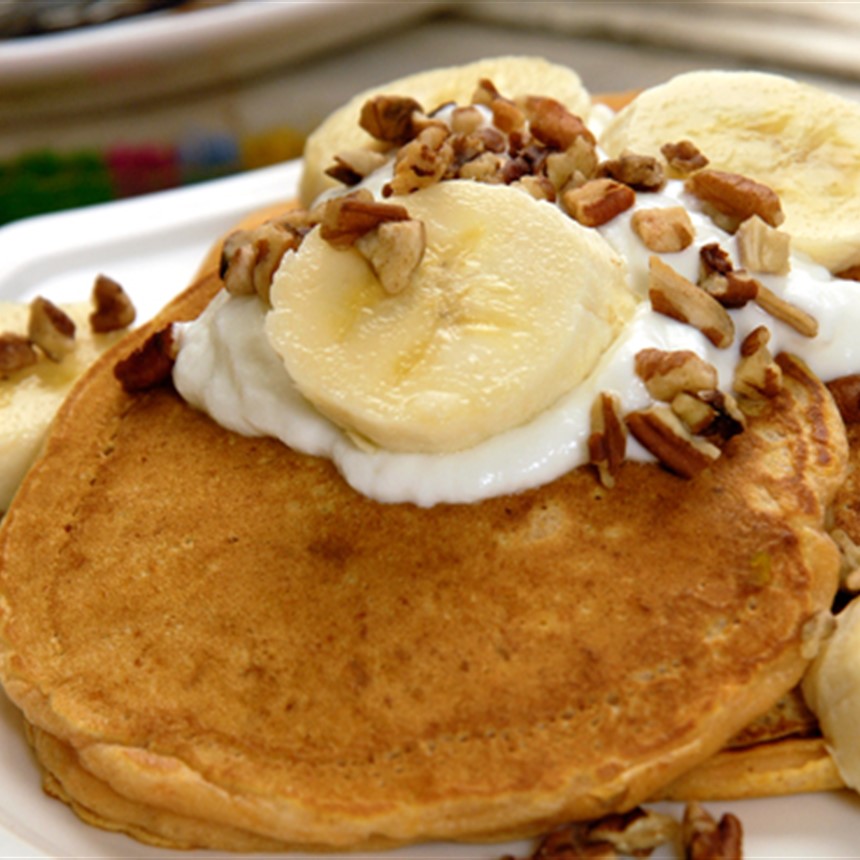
(216,642)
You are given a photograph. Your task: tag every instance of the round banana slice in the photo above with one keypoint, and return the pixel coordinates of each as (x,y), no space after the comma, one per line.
(510,307)
(831,687)
(513,76)
(800,140)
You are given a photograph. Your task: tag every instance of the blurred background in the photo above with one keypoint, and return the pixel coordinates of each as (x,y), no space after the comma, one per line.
(107,99)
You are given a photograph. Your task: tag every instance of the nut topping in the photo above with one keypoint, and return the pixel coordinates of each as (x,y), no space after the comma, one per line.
(718,278)
(736,197)
(113,308)
(608,439)
(354,165)
(683,157)
(421,162)
(51,329)
(786,312)
(640,172)
(598,201)
(763,248)
(390,118)
(757,375)
(394,250)
(660,431)
(346,219)
(674,296)
(705,839)
(637,832)
(667,374)
(712,414)
(663,230)
(553,124)
(16,353)
(150,364)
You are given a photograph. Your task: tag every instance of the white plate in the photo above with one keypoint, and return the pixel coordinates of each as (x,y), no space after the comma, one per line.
(153,245)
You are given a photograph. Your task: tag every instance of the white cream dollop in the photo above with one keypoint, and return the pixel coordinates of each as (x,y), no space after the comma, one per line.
(227,368)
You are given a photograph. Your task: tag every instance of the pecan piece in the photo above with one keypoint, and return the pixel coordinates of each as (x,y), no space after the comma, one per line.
(607,441)
(598,201)
(660,431)
(345,219)
(16,353)
(704,838)
(712,414)
(573,166)
(394,250)
(718,278)
(150,364)
(553,124)
(663,230)
(390,118)
(674,296)
(422,162)
(736,197)
(113,308)
(352,166)
(852,273)
(846,393)
(640,172)
(667,373)
(790,314)
(763,248)
(683,157)
(51,329)
(757,375)
(636,832)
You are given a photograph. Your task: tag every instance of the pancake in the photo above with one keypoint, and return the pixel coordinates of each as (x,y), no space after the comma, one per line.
(220,644)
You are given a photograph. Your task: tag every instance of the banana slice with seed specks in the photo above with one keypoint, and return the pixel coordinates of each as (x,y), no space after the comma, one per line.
(513,76)
(831,687)
(511,307)
(801,141)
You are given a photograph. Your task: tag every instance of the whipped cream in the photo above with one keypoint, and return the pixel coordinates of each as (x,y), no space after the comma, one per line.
(227,368)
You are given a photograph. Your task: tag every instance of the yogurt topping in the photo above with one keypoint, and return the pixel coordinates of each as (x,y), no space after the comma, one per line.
(227,368)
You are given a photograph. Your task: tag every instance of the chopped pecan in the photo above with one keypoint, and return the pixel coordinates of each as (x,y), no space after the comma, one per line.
(485,92)
(390,118)
(667,373)
(790,314)
(736,197)
(486,167)
(636,832)
(660,431)
(250,258)
(640,172)
(538,187)
(712,414)
(663,230)
(16,352)
(572,843)
(150,364)
(466,119)
(852,273)
(598,201)
(345,219)
(113,309)
(704,838)
(763,248)
(553,124)
(421,162)
(51,329)
(718,278)
(573,166)
(683,157)
(394,250)
(674,296)
(607,441)
(352,166)
(846,393)
(757,375)
(507,117)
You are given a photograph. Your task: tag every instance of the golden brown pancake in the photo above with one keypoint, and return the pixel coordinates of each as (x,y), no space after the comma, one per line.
(218,643)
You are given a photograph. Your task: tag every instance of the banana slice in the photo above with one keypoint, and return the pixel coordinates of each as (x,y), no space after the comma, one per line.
(801,141)
(511,306)
(513,76)
(831,687)
(30,397)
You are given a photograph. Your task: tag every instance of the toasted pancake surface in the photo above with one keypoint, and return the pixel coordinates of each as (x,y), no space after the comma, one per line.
(219,628)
